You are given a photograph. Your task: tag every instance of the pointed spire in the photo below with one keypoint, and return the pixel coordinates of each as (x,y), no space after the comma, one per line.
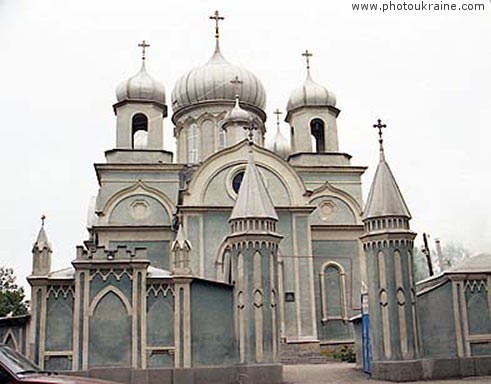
(181,242)
(385,198)
(253,200)
(42,241)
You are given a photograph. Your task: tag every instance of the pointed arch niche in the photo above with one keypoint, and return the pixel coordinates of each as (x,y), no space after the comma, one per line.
(110,336)
(332,280)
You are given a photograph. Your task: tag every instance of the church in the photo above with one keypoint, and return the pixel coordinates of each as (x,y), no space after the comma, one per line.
(229,256)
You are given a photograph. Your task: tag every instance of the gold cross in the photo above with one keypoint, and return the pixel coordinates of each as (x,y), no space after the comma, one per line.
(236,82)
(278,113)
(307,56)
(379,125)
(217,19)
(143,45)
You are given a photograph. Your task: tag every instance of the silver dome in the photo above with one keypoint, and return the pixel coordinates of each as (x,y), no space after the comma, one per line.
(310,94)
(280,144)
(212,82)
(237,114)
(142,86)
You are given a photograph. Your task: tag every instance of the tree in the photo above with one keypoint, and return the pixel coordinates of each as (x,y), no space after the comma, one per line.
(420,266)
(12,297)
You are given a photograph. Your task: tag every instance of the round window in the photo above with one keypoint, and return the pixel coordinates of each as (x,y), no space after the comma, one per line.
(237,181)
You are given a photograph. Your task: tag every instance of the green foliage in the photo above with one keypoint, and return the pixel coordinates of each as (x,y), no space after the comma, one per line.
(340,353)
(12,297)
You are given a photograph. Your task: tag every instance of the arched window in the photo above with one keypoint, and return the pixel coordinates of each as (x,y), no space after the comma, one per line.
(139,131)
(192,144)
(333,292)
(222,137)
(317,132)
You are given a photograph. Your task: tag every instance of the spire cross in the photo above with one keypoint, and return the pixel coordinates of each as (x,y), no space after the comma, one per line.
(217,19)
(379,125)
(251,128)
(143,46)
(277,112)
(307,56)
(43,217)
(236,82)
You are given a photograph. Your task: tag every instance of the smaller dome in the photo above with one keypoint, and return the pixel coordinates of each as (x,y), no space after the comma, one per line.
(280,144)
(310,94)
(237,115)
(142,86)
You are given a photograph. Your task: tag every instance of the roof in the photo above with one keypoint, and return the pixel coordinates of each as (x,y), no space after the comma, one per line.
(253,200)
(475,264)
(385,198)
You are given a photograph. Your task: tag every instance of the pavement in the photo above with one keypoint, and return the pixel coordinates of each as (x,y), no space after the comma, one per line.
(347,373)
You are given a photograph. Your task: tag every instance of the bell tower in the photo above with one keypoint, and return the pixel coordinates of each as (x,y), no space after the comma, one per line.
(312,113)
(140,110)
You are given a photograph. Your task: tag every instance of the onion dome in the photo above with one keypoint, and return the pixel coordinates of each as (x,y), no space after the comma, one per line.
(237,115)
(212,82)
(142,86)
(280,143)
(311,94)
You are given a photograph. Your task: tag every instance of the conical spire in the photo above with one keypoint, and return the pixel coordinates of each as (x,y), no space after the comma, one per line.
(253,200)
(181,242)
(385,198)
(42,241)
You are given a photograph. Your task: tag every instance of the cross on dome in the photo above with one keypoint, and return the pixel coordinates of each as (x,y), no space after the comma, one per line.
(251,128)
(43,218)
(236,82)
(216,16)
(307,56)
(143,46)
(277,112)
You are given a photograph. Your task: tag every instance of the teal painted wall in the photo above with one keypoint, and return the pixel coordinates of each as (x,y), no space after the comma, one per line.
(160,324)
(158,252)
(344,253)
(212,324)
(59,319)
(436,320)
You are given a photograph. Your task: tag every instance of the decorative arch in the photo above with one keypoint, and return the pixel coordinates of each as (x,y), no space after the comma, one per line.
(341,287)
(223,263)
(234,156)
(9,335)
(109,289)
(327,189)
(138,188)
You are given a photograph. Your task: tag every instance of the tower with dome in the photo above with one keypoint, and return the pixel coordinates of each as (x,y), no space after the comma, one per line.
(228,254)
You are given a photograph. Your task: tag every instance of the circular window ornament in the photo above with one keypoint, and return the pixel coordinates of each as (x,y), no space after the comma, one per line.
(140,209)
(327,209)
(235,177)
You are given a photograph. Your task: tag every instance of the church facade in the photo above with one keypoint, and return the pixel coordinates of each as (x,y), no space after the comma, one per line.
(156,284)
(229,256)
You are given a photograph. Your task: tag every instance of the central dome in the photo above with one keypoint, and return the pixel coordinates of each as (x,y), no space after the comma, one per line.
(212,82)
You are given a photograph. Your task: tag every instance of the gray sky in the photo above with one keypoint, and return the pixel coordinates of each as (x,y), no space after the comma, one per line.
(426,74)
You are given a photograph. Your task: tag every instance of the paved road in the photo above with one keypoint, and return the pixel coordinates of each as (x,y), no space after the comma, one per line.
(346,373)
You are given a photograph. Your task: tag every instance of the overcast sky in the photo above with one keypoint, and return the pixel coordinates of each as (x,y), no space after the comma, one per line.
(426,74)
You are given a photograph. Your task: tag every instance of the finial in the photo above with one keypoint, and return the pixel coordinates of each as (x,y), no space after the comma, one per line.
(237,83)
(43,218)
(277,112)
(307,56)
(143,46)
(251,127)
(217,19)
(379,125)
